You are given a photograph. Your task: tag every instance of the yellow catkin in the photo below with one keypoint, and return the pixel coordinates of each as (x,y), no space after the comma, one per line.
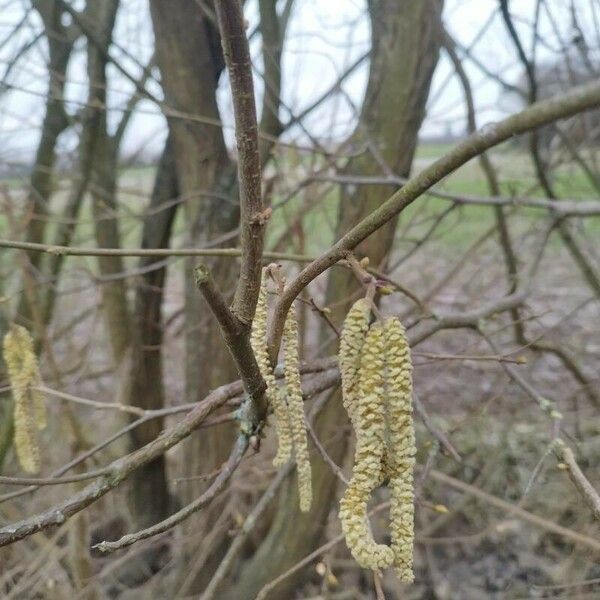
(29,409)
(295,406)
(352,339)
(369,423)
(400,457)
(258,341)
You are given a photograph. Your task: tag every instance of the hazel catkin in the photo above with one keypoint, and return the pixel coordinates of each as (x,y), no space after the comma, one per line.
(276,398)
(295,405)
(352,339)
(29,409)
(369,423)
(400,457)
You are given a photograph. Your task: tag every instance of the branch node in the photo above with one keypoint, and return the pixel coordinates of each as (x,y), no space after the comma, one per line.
(261,218)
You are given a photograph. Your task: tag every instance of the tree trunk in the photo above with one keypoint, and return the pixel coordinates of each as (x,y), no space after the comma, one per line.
(406,39)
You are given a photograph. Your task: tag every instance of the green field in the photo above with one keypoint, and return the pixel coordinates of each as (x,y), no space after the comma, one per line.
(460,228)
(318,214)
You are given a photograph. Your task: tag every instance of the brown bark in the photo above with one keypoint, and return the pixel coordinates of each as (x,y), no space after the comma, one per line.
(406,40)
(230,18)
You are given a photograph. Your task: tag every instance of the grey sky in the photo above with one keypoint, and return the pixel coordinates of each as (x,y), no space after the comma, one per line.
(324,38)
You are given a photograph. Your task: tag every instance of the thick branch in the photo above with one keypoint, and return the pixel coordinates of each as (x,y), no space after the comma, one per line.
(579,99)
(252,219)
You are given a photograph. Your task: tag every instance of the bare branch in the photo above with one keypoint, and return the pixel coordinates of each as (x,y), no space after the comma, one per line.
(238,342)
(119,470)
(579,99)
(249,523)
(511,509)
(235,458)
(584,487)
(252,216)
(561,208)
(74,251)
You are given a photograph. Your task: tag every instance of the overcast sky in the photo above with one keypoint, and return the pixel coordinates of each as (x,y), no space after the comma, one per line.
(324,39)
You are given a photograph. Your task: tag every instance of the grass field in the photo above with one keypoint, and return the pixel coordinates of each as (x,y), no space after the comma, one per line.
(458,230)
(515,173)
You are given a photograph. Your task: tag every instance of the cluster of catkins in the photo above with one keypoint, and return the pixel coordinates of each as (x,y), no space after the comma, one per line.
(377,387)
(29,408)
(287,402)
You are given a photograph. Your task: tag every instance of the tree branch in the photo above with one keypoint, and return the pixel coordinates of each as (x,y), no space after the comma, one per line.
(252,216)
(235,458)
(579,99)
(510,509)
(237,339)
(584,487)
(249,523)
(144,252)
(119,470)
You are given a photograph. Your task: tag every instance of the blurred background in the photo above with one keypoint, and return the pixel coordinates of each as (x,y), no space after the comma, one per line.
(117,131)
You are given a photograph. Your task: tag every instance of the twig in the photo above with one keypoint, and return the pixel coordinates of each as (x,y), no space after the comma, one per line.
(245,530)
(378,586)
(145,252)
(544,404)
(495,358)
(439,435)
(469,319)
(580,481)
(134,410)
(308,558)
(324,314)
(562,208)
(39,481)
(336,470)
(568,534)
(118,470)
(202,477)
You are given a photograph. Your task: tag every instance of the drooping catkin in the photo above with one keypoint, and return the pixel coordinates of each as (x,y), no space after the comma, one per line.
(276,398)
(369,422)
(400,457)
(29,409)
(295,405)
(352,339)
